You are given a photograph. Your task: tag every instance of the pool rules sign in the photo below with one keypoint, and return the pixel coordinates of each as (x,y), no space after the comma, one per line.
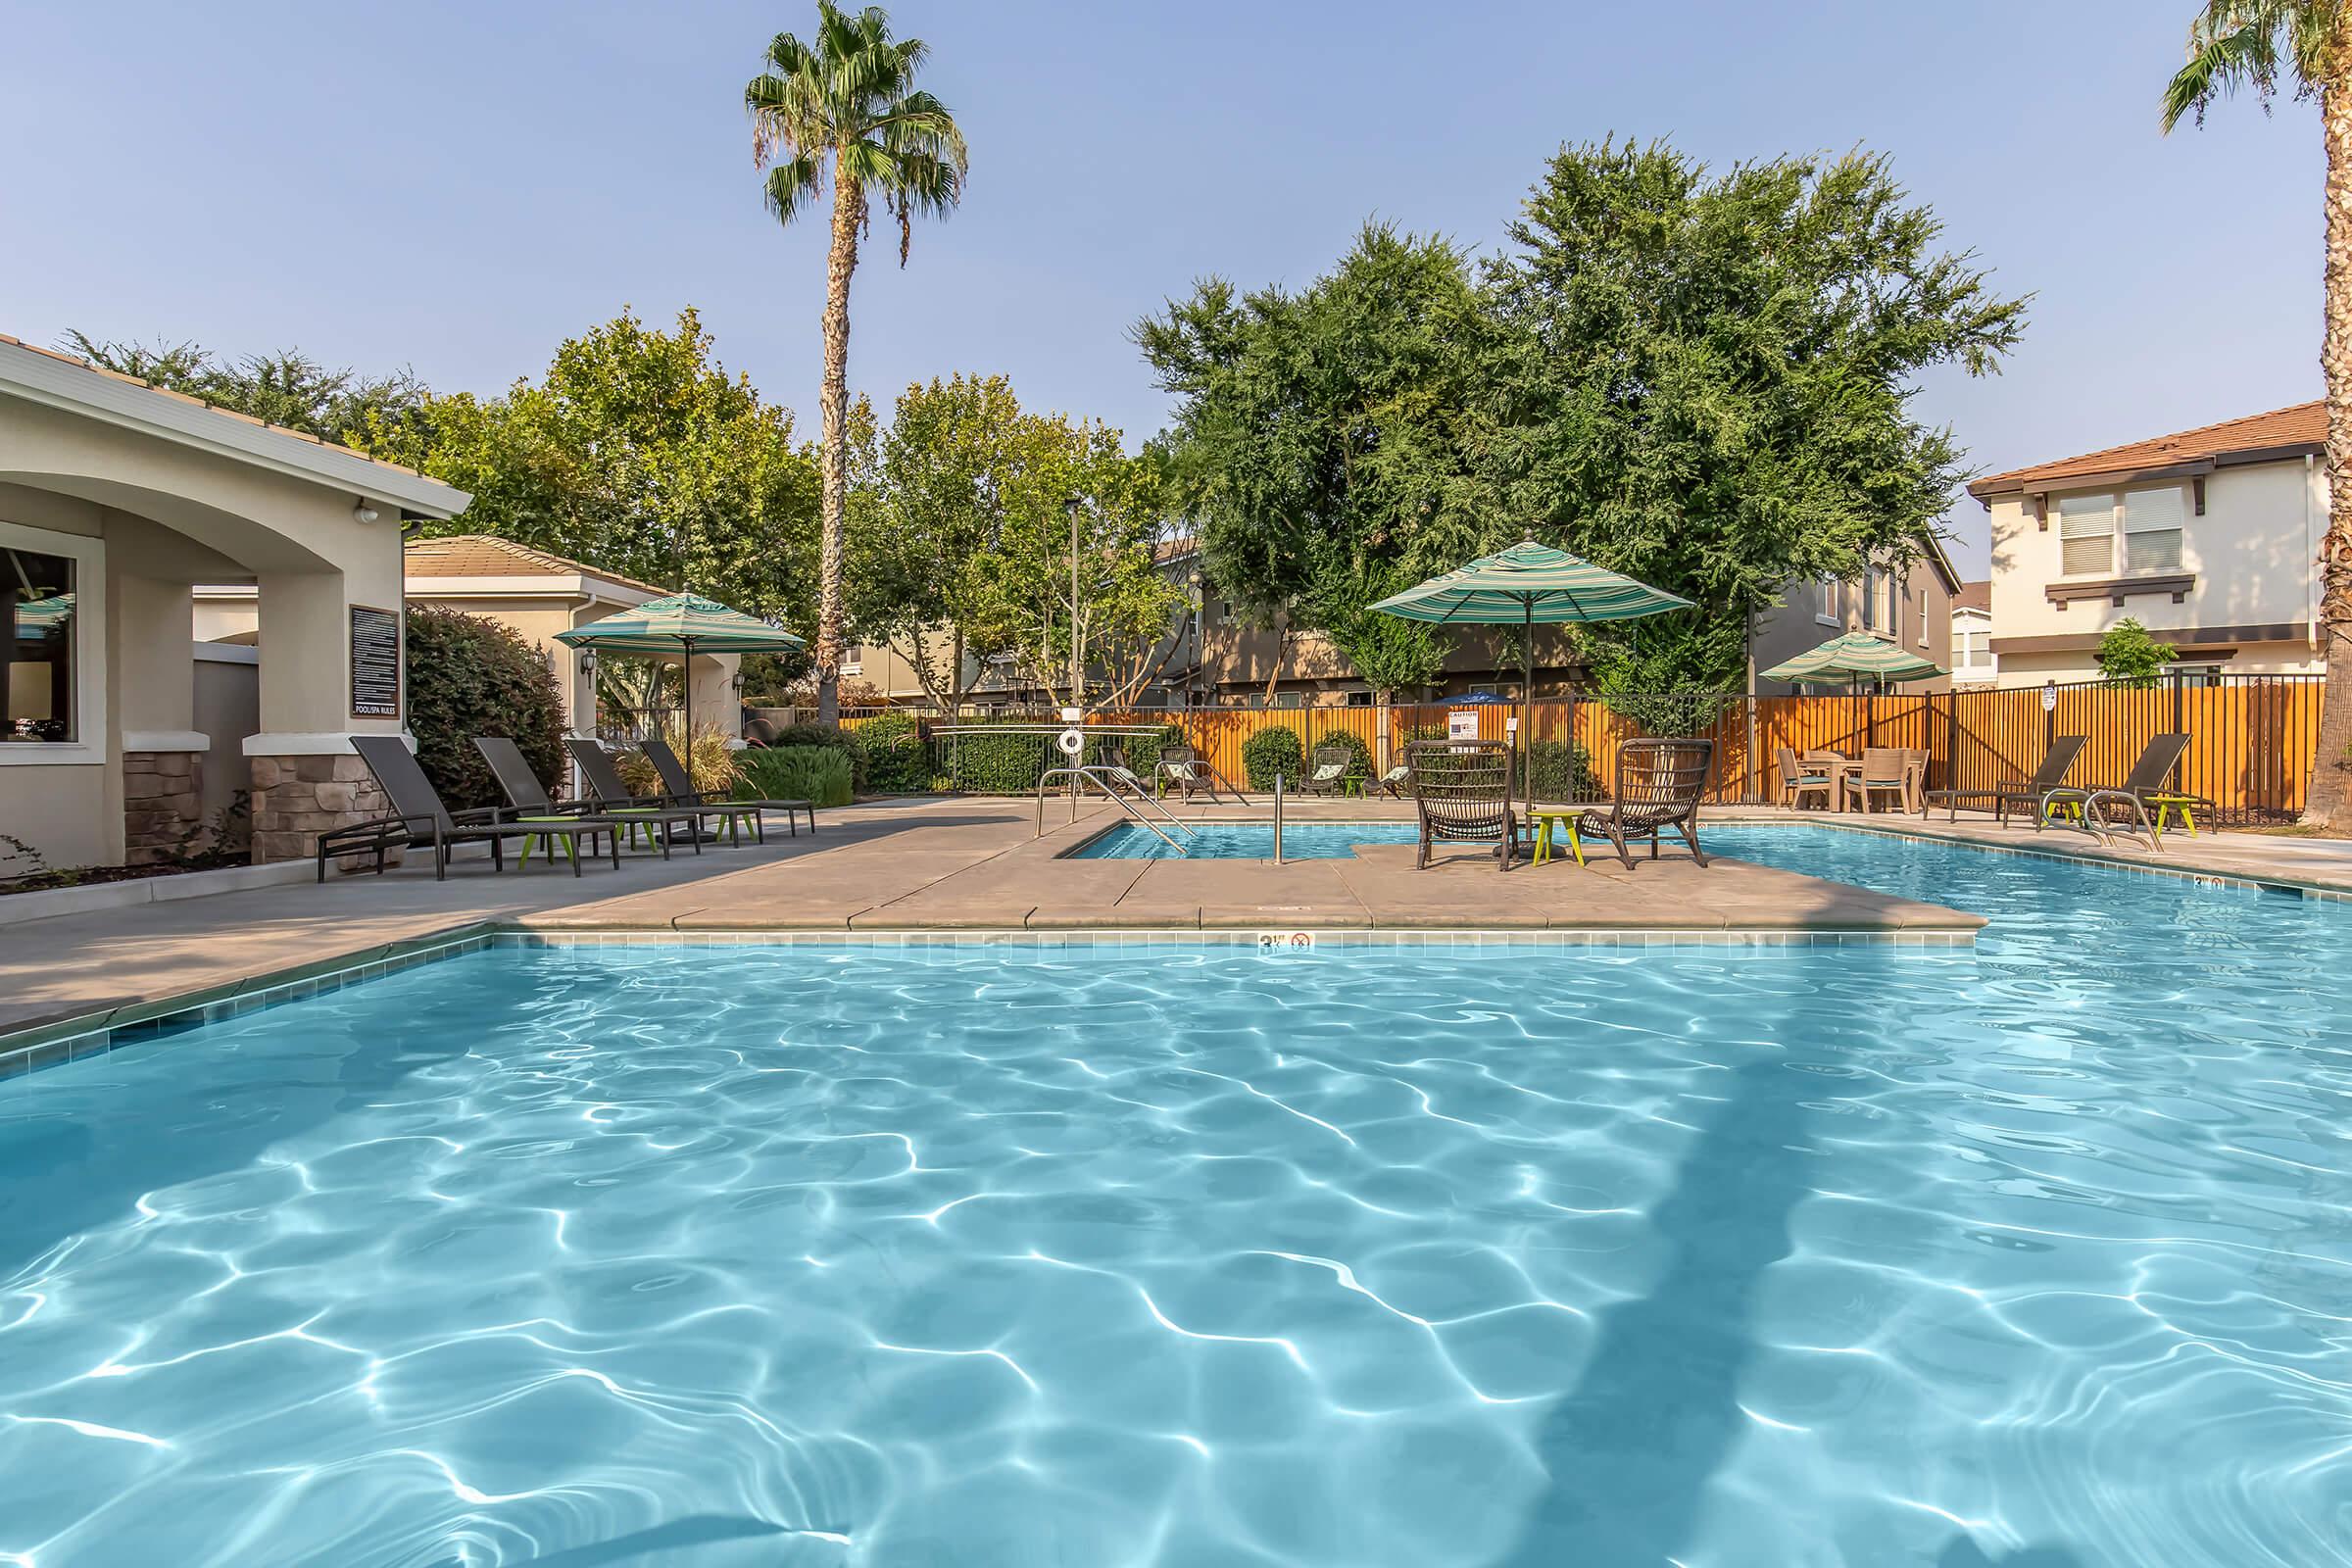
(374,662)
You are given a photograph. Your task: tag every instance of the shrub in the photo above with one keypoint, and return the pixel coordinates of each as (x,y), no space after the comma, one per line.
(1559,770)
(470,676)
(831,736)
(2131,657)
(1359,755)
(996,765)
(819,773)
(1669,715)
(709,764)
(1270,751)
(892,748)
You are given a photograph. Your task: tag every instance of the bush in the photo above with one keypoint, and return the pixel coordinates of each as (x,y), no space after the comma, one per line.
(996,765)
(896,761)
(1359,755)
(819,773)
(1559,770)
(830,736)
(470,676)
(1270,751)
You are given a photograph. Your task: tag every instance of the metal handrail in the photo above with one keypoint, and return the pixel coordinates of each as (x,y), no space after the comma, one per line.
(1097,776)
(1276,819)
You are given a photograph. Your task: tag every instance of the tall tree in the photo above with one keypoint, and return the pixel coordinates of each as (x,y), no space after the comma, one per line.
(2303,46)
(849,99)
(286,387)
(636,453)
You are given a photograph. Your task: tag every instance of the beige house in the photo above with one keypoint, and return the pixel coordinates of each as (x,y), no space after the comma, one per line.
(2208,537)
(1973,662)
(115,499)
(1911,607)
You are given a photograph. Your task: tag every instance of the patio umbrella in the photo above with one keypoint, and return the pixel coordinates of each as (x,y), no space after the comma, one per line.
(1855,657)
(1526,584)
(683,624)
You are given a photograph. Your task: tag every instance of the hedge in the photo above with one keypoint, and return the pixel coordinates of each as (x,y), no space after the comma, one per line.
(819,773)
(470,676)
(831,737)
(1270,751)
(896,761)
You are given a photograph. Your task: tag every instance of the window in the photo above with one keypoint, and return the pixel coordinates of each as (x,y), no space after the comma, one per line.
(2147,523)
(1869,599)
(1827,613)
(2086,536)
(1976,645)
(38,641)
(2152,521)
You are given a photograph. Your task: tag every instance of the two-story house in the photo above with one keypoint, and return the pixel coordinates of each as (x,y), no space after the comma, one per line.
(2207,537)
(1973,662)
(1912,608)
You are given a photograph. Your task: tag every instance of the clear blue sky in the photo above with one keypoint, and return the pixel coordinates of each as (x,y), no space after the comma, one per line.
(456,187)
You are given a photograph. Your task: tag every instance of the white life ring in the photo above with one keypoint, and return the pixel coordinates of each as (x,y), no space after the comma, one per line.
(1071,741)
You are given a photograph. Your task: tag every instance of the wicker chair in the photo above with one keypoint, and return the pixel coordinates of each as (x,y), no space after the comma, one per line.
(1658,786)
(1327,771)
(1183,766)
(1462,795)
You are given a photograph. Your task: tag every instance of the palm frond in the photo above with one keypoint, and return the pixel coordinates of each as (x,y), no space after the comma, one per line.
(2235,44)
(792,184)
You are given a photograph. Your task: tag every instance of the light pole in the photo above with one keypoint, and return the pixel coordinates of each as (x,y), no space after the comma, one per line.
(1077,666)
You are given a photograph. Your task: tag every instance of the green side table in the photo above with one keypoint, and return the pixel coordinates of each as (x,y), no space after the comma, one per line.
(1541,819)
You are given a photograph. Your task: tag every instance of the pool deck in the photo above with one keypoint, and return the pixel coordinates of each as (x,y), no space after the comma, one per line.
(938,864)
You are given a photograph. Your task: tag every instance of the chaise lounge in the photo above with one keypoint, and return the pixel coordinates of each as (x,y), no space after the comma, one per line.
(422,821)
(2029,793)
(681,791)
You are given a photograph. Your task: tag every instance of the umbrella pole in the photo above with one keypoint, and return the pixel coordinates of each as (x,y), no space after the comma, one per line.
(1527,703)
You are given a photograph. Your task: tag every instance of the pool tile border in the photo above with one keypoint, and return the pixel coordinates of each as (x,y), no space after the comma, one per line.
(43,1045)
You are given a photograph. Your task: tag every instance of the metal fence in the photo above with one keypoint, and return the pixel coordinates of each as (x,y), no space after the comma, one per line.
(2251,748)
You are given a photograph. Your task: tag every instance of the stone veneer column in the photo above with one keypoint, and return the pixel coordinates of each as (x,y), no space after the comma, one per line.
(295,799)
(163,804)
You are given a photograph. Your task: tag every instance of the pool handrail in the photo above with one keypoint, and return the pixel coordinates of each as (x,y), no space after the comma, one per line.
(1103,779)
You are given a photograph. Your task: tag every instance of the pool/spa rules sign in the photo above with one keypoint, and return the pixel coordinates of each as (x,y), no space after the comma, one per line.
(374,662)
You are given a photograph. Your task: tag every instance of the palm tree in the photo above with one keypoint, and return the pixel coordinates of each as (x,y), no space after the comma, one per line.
(2305,48)
(849,97)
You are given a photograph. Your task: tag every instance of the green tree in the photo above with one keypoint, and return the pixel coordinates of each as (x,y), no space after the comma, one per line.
(935,488)
(1704,379)
(287,387)
(1325,441)
(636,453)
(1022,597)
(2128,656)
(849,97)
(2303,46)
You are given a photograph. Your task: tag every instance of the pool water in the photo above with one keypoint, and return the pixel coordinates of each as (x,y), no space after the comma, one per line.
(2039,1256)
(1245,840)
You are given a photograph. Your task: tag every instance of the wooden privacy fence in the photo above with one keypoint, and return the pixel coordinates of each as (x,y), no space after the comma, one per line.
(2252,738)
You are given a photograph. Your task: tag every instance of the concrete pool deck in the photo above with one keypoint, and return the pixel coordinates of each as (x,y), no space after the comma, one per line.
(943,865)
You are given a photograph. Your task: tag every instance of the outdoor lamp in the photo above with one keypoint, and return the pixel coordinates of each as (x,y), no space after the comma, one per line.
(738,682)
(587,660)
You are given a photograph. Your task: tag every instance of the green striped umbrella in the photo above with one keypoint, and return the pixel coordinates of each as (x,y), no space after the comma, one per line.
(1530,583)
(684,625)
(1857,656)
(42,617)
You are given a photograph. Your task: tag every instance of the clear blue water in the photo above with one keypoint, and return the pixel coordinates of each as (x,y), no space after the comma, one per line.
(1245,840)
(2040,1257)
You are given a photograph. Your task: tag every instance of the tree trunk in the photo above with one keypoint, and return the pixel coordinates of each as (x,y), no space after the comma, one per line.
(849,215)
(2325,801)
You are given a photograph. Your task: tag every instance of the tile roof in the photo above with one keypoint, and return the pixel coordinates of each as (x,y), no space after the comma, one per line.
(2304,424)
(1975,596)
(482,555)
(227,414)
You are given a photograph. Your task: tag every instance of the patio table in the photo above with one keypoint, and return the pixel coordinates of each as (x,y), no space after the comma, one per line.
(1847,772)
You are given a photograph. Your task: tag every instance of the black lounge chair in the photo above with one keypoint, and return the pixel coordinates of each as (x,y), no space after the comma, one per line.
(611,795)
(424,822)
(527,799)
(1658,787)
(1462,795)
(2028,793)
(2143,788)
(680,787)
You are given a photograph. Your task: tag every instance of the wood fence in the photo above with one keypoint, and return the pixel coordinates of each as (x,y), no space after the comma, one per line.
(2251,748)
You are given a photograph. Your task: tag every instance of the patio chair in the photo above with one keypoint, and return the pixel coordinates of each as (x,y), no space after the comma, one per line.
(1184,766)
(677,787)
(1327,771)
(1658,786)
(2026,792)
(1462,795)
(422,821)
(527,800)
(611,795)
(1395,782)
(1883,768)
(1801,779)
(2142,787)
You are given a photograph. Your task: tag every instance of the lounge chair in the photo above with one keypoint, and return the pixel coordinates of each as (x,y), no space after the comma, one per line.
(2142,787)
(1883,768)
(1397,781)
(1801,779)
(527,800)
(424,822)
(1185,768)
(1327,771)
(678,788)
(1462,795)
(2028,793)
(613,797)
(1658,786)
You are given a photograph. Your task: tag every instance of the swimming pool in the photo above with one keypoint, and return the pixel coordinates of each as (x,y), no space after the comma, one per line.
(1389,1256)
(1243,841)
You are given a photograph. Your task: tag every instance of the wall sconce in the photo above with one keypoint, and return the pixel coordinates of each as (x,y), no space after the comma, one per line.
(588,662)
(738,682)
(363,513)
